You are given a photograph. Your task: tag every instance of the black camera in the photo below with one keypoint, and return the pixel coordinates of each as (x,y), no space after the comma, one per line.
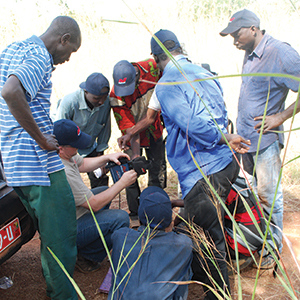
(139,164)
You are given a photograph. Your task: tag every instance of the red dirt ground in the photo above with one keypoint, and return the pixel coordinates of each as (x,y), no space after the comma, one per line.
(28,283)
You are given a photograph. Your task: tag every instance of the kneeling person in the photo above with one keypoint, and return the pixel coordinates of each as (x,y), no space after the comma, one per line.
(91,250)
(158,256)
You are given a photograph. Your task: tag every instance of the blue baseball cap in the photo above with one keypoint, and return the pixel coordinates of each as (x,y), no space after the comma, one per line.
(68,133)
(95,83)
(155,208)
(124,75)
(163,35)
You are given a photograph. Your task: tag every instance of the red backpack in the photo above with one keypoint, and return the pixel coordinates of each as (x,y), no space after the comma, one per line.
(237,208)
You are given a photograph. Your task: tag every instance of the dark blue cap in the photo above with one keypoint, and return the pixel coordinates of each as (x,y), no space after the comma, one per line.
(155,208)
(95,83)
(68,133)
(163,35)
(124,75)
(243,18)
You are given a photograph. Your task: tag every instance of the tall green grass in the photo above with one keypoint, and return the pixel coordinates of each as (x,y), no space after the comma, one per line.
(196,23)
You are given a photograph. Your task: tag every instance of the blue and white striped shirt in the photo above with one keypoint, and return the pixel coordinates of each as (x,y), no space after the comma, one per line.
(25,163)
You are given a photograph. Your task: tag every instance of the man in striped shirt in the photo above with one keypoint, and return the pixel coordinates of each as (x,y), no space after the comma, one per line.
(32,165)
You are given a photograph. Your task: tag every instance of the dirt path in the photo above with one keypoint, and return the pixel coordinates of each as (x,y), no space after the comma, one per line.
(25,270)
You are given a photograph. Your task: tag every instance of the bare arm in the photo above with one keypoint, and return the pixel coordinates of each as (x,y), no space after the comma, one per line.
(177,203)
(276,120)
(100,200)
(135,146)
(142,125)
(91,163)
(14,96)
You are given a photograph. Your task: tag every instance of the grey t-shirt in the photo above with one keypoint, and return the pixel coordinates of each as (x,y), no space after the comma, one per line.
(80,191)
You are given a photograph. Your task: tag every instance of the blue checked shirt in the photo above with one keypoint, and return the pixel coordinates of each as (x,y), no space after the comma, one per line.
(270,56)
(25,163)
(95,122)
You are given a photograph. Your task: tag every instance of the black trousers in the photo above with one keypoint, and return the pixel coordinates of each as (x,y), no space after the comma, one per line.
(201,209)
(157,174)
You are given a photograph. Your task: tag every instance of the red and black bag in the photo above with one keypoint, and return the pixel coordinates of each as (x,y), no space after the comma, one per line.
(237,208)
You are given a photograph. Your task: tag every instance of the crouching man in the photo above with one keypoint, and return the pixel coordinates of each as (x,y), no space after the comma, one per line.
(158,256)
(91,250)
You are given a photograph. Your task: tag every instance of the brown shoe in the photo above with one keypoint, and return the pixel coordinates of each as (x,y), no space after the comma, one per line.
(86,266)
(243,264)
(267,262)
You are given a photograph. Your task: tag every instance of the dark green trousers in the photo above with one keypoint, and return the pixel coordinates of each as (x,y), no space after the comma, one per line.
(52,209)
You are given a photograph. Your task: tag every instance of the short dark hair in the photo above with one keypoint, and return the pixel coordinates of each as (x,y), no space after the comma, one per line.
(65,24)
(169,45)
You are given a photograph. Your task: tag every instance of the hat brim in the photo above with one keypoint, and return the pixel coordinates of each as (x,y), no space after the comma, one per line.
(122,91)
(82,85)
(229,29)
(83,141)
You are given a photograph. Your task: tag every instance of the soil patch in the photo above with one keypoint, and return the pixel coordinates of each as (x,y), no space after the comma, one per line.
(24,268)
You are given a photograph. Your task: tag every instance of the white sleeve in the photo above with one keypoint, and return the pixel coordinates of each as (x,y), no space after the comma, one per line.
(153,102)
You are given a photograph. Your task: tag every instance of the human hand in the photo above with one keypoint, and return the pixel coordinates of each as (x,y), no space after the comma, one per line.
(128,178)
(270,122)
(115,157)
(50,142)
(123,140)
(238,143)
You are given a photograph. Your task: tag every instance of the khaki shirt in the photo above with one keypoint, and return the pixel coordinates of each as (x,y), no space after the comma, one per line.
(80,191)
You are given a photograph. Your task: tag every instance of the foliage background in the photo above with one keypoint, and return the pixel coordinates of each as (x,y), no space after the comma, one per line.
(196,23)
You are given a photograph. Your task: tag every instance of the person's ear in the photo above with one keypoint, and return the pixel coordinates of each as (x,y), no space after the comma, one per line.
(156,59)
(65,38)
(253,30)
(60,149)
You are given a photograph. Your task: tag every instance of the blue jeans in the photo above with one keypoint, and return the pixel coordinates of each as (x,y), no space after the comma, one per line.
(266,178)
(89,242)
